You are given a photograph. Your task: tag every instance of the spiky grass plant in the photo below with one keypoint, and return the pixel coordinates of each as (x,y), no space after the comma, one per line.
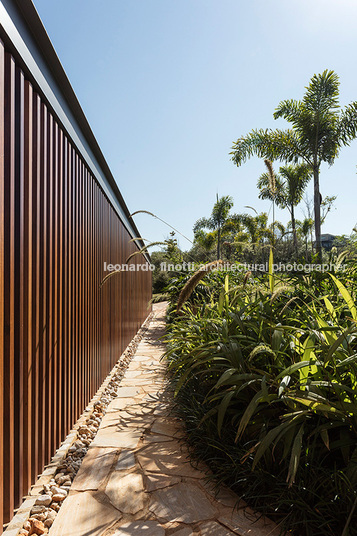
(267,380)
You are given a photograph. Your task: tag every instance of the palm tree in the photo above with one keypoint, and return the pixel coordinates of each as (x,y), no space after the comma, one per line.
(319,129)
(205,240)
(270,188)
(218,220)
(278,226)
(256,227)
(289,189)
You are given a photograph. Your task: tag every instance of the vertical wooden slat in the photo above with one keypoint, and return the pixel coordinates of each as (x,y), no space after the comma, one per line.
(96,261)
(2,272)
(36,302)
(94,290)
(106,292)
(97,281)
(74,291)
(87,297)
(81,287)
(70,282)
(79,282)
(20,338)
(84,284)
(27,285)
(111,296)
(65,252)
(71,268)
(120,304)
(114,295)
(60,288)
(119,289)
(90,286)
(49,292)
(69,291)
(89,281)
(94,284)
(54,348)
(80,298)
(9,287)
(42,188)
(75,286)
(104,289)
(78,289)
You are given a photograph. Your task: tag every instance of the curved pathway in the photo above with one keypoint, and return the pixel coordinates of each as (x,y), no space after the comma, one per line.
(136,478)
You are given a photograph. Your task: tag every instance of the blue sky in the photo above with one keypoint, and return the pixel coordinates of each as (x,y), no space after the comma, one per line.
(168,85)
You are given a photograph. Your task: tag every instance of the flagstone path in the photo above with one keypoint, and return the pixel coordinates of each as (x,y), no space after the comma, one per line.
(136,478)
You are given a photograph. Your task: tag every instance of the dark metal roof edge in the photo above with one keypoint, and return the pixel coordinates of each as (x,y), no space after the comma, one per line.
(39,35)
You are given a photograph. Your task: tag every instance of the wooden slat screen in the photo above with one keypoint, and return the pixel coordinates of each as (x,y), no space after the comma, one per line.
(60,334)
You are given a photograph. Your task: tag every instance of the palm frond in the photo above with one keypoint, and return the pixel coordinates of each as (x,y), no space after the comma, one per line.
(273,144)
(203,223)
(322,93)
(347,128)
(289,110)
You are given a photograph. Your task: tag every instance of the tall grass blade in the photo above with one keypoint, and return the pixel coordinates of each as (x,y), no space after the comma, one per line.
(346,296)
(295,456)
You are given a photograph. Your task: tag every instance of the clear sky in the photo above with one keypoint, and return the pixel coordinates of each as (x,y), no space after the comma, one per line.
(168,85)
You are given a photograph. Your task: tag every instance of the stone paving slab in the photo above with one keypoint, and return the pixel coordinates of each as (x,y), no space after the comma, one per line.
(94,469)
(183,502)
(147,528)
(128,439)
(126,460)
(126,492)
(81,515)
(136,477)
(168,458)
(184,532)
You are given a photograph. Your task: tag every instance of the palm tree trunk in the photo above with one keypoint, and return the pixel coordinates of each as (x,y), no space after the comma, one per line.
(306,248)
(312,243)
(293,226)
(317,214)
(218,243)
